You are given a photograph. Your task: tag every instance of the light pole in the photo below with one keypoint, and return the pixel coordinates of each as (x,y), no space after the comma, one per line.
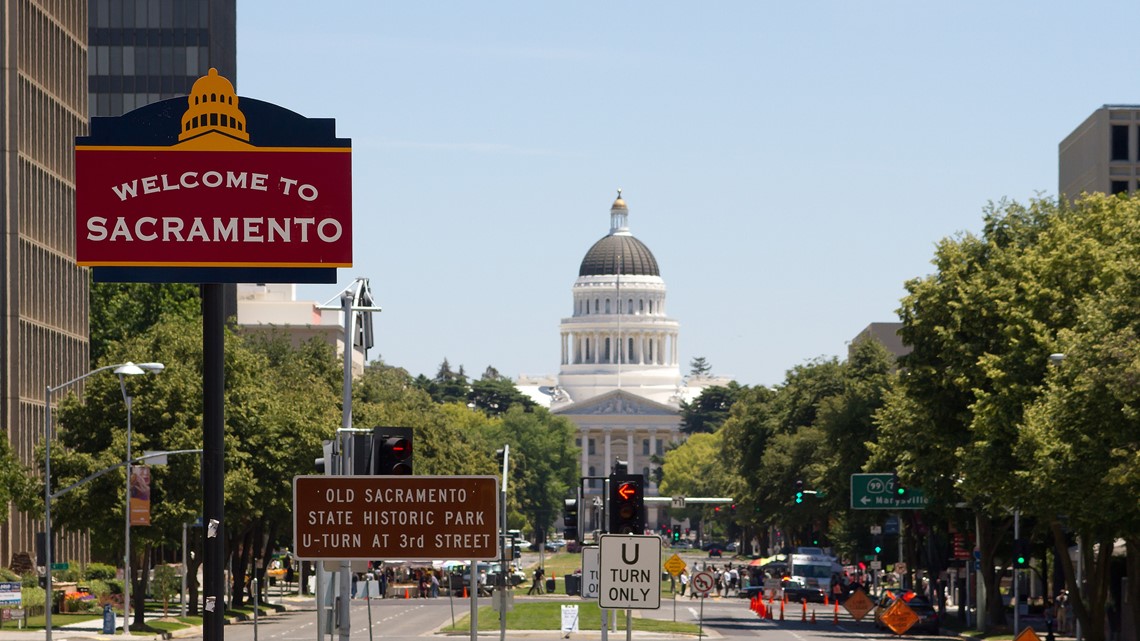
(122,369)
(130,369)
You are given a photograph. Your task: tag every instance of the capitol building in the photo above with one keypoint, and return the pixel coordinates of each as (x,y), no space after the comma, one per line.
(620,377)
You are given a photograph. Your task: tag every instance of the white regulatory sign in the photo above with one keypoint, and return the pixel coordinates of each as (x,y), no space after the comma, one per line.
(631,572)
(678,503)
(591,572)
(702,583)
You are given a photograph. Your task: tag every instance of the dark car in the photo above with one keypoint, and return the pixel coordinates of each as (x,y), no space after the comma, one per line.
(927,616)
(796,592)
(708,546)
(714,552)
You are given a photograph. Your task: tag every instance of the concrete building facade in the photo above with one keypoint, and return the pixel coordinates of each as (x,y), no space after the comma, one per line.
(1102,154)
(43,293)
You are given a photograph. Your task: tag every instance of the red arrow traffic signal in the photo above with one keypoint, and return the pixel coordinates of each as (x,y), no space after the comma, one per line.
(627,490)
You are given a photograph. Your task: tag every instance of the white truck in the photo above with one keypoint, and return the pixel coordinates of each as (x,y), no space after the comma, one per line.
(813,570)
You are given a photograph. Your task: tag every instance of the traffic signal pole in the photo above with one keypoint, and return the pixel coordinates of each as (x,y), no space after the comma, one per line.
(1016,589)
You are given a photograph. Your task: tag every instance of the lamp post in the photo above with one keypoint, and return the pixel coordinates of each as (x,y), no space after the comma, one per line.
(130,370)
(122,369)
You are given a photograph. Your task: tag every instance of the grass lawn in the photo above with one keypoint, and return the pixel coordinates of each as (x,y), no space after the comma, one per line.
(547,615)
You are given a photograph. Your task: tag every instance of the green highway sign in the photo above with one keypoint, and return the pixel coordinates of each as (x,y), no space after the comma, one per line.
(60,566)
(877,492)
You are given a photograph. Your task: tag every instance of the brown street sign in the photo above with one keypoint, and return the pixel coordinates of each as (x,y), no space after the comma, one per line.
(395,517)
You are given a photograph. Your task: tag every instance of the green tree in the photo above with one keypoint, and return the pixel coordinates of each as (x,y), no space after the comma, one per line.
(121,310)
(709,410)
(699,366)
(496,394)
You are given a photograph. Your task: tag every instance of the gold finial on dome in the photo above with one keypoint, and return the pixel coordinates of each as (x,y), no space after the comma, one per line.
(619,203)
(213,106)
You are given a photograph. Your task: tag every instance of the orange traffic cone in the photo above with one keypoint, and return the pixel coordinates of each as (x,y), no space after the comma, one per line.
(813,616)
(406,593)
(769,617)
(803,617)
(825,600)
(465,592)
(762,611)
(781,610)
(835,621)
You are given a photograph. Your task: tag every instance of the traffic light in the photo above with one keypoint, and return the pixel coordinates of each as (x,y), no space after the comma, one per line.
(1020,554)
(677,534)
(324,463)
(799,492)
(878,544)
(900,489)
(627,504)
(570,520)
(392,451)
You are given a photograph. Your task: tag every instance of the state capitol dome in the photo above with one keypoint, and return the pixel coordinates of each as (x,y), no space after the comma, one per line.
(619,253)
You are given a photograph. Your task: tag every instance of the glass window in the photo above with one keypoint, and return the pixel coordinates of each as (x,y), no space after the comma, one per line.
(644,451)
(104,61)
(1119,142)
(103,13)
(128,62)
(1120,187)
(589,450)
(192,68)
(116,15)
(607,311)
(116,61)
(140,14)
(167,61)
(152,14)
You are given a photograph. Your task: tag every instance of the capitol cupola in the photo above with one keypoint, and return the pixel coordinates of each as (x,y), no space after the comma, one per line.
(213,106)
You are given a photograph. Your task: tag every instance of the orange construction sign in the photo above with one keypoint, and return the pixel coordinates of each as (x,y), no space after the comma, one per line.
(1027,635)
(858,604)
(899,617)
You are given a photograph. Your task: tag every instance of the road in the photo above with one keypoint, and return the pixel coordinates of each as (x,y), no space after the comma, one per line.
(727,618)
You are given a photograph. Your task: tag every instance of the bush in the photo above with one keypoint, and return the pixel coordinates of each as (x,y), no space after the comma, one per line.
(73,573)
(100,572)
(30,580)
(99,588)
(32,597)
(8,575)
(115,585)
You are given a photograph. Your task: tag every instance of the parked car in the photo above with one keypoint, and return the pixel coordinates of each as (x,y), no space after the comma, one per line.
(797,591)
(714,552)
(927,616)
(709,545)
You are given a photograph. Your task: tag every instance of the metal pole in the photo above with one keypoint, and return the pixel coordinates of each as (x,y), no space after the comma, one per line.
(345,574)
(980,581)
(185,569)
(474,600)
(903,576)
(1016,588)
(502,581)
(628,624)
(213,460)
(1080,581)
(253,584)
(127,510)
(47,512)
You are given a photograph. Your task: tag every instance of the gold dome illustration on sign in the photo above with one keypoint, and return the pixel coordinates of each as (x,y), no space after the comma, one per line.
(213,107)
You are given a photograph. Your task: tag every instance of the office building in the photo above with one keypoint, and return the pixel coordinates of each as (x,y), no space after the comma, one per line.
(43,294)
(1102,154)
(143,51)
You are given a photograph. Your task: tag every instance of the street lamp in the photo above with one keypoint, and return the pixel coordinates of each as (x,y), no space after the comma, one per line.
(122,369)
(130,369)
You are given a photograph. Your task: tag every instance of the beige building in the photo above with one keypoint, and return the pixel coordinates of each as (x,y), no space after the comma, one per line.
(43,293)
(1102,154)
(885,333)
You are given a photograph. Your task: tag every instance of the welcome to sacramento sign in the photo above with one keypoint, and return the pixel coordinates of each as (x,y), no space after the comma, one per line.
(213,188)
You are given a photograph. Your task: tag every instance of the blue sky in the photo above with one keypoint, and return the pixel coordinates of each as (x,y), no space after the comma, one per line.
(790,164)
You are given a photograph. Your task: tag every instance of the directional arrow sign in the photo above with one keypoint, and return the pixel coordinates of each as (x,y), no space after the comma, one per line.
(627,490)
(877,492)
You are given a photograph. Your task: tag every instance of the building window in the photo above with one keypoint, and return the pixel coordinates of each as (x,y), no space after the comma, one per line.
(645,473)
(1119,142)
(591,473)
(595,311)
(640,310)
(607,311)
(628,310)
(1120,187)
(644,448)
(660,448)
(589,450)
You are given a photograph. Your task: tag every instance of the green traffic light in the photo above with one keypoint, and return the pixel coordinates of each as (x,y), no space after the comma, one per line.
(878,549)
